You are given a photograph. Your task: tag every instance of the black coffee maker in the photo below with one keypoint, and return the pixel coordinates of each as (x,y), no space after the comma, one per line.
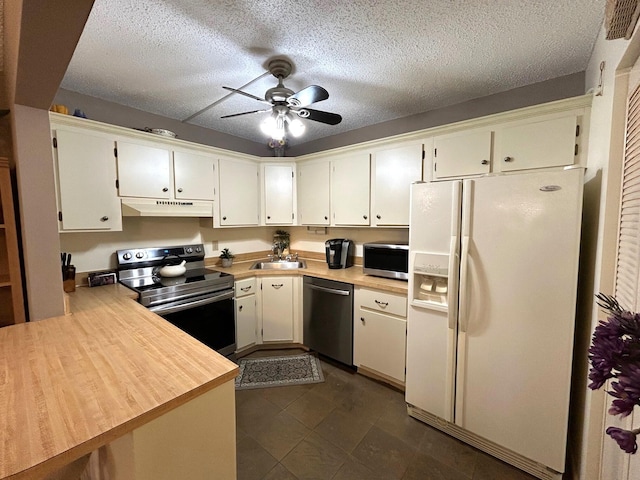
(340,252)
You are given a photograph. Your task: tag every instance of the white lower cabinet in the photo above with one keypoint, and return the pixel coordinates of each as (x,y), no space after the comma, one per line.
(246,319)
(279,307)
(380,332)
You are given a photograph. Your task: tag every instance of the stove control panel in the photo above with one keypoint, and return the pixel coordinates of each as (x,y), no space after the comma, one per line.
(137,257)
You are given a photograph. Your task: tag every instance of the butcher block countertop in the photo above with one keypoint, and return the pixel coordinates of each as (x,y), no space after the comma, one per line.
(317,268)
(71,384)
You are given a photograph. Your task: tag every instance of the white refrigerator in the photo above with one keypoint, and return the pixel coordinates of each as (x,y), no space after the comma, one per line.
(493,271)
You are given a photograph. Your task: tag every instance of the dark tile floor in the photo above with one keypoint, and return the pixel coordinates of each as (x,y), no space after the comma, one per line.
(348,428)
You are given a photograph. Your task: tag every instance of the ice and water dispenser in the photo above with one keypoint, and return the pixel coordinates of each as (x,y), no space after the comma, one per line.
(431,280)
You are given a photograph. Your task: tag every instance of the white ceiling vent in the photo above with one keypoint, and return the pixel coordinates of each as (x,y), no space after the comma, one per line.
(620,18)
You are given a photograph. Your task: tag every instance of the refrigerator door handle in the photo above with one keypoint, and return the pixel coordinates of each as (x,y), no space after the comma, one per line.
(464,262)
(453,263)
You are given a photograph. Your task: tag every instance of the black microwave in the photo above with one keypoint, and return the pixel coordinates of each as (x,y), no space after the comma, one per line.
(384,259)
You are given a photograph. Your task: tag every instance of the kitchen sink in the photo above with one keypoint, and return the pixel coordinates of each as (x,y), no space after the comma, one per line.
(278,265)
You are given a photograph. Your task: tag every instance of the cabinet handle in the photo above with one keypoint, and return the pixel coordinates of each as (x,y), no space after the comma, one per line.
(508,159)
(277,285)
(364,216)
(240,308)
(165,189)
(245,289)
(378,217)
(485,162)
(362,320)
(381,304)
(179,190)
(104,219)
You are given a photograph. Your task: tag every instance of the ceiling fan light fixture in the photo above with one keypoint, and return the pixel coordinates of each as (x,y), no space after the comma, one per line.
(296,127)
(273,127)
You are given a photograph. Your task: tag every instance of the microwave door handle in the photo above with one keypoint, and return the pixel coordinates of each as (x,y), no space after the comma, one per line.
(161,310)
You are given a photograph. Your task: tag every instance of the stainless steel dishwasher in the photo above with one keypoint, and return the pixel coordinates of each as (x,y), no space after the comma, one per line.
(328,318)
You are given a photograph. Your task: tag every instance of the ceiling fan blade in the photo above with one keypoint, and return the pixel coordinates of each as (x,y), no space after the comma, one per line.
(246,113)
(235,90)
(307,96)
(319,116)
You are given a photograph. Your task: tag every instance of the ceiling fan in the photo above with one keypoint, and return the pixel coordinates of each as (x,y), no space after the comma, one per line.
(286,105)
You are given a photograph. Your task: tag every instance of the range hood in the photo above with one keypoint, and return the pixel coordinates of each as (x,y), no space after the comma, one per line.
(148,207)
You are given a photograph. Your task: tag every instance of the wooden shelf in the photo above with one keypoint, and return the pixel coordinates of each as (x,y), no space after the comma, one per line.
(11,294)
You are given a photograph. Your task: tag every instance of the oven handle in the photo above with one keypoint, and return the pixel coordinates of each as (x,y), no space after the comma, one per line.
(161,310)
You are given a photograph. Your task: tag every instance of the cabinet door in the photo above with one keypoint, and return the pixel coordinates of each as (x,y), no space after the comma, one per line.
(238,193)
(380,343)
(314,193)
(86,170)
(278,194)
(350,184)
(143,171)
(395,170)
(460,154)
(194,176)
(245,321)
(544,143)
(277,309)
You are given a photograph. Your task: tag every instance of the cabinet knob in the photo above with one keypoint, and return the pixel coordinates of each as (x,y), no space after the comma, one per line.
(240,308)
(378,217)
(508,159)
(165,189)
(224,218)
(326,218)
(268,217)
(362,320)
(179,190)
(364,216)
(485,162)
(104,219)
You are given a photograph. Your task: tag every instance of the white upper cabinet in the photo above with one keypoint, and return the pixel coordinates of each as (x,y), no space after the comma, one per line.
(143,170)
(194,175)
(462,153)
(350,189)
(314,193)
(393,172)
(279,194)
(86,181)
(238,193)
(546,142)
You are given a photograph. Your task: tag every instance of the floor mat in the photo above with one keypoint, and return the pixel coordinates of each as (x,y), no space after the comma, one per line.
(278,371)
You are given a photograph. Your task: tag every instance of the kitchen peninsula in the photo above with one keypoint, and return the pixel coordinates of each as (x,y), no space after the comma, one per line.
(113,375)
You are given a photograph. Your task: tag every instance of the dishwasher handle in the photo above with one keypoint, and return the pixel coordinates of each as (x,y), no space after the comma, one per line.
(328,290)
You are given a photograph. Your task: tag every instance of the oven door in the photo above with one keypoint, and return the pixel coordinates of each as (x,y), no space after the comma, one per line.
(210,318)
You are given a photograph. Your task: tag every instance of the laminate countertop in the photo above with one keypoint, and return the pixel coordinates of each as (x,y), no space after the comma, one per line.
(317,268)
(73,383)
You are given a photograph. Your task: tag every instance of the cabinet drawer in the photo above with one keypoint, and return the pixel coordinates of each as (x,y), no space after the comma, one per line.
(386,302)
(245,287)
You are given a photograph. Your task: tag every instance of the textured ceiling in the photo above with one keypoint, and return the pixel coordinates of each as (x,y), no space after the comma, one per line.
(379,59)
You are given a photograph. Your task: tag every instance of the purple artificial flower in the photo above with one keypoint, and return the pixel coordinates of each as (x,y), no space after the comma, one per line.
(626,439)
(607,347)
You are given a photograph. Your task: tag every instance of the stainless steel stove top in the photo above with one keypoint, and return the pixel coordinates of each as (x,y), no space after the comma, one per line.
(138,270)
